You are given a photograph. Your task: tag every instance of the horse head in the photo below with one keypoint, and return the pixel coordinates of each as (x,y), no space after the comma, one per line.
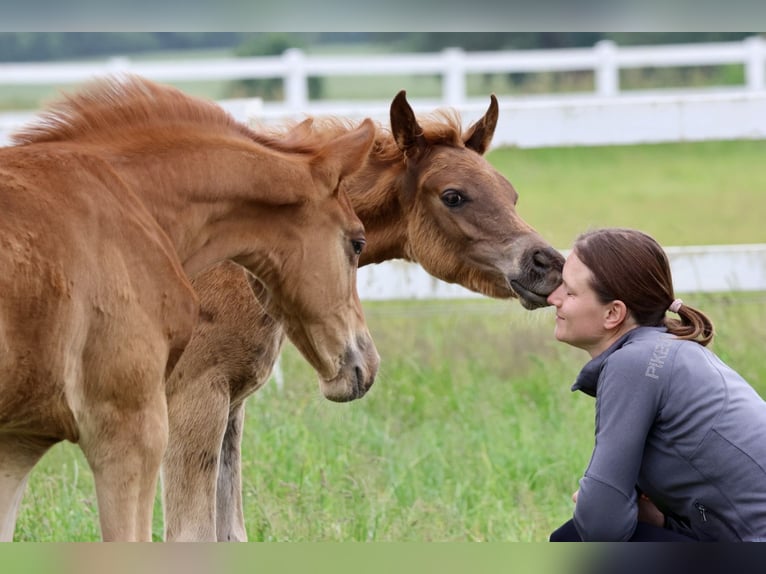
(462,223)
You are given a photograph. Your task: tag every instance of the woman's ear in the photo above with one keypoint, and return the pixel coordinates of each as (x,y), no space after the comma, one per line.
(616,314)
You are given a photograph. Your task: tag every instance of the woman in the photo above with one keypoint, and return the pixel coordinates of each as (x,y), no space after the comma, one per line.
(680,450)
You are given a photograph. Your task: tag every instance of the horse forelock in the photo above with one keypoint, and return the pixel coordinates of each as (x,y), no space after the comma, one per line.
(441,127)
(108,106)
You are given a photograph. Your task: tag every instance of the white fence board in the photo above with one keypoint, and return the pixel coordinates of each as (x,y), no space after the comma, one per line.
(605,116)
(696,269)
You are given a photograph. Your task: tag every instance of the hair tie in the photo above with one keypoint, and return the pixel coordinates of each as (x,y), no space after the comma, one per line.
(675,306)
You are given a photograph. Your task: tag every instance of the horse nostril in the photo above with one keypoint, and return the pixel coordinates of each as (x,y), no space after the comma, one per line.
(541,259)
(359,389)
(546,259)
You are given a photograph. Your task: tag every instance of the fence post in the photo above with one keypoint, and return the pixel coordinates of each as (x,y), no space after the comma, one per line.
(453,79)
(607,72)
(754,63)
(296,82)
(118,66)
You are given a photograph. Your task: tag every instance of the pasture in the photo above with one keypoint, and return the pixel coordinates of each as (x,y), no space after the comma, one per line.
(470,432)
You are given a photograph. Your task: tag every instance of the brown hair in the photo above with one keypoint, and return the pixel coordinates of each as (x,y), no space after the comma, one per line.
(629,265)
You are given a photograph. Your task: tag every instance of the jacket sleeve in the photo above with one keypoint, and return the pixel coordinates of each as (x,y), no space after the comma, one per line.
(627,402)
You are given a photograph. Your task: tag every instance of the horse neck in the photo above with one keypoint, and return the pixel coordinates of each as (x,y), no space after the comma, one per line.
(211,201)
(375,193)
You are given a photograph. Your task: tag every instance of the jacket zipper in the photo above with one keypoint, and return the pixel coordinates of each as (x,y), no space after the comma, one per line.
(702,510)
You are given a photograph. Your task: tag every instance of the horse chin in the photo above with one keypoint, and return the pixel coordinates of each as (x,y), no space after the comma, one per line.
(355,377)
(343,389)
(529,299)
(496,286)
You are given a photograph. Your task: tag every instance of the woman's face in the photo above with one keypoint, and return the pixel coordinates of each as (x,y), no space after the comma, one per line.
(580,316)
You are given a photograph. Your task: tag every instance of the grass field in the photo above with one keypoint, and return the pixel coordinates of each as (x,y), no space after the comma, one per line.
(470,432)
(701,193)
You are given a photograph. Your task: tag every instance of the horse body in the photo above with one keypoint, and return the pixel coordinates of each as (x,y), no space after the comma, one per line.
(110,204)
(425,194)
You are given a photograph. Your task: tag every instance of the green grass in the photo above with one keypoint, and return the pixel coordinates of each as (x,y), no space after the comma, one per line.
(469,434)
(701,193)
(440,449)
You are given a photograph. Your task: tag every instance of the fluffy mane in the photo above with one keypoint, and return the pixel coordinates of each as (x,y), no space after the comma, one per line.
(114,105)
(107,106)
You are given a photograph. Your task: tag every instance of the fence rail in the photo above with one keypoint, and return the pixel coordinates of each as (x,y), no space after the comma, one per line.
(696,269)
(606,115)
(295,67)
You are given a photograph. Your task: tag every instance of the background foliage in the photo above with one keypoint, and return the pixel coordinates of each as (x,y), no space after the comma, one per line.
(39,46)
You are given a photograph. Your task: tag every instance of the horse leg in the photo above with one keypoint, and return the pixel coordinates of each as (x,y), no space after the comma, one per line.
(18,455)
(197,414)
(124,449)
(230,518)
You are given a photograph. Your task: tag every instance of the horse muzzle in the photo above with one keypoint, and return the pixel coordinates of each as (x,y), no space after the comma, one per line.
(358,369)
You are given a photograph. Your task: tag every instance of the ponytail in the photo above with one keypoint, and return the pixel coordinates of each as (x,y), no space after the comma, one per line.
(692,324)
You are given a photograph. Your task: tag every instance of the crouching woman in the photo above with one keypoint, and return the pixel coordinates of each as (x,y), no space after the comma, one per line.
(680,445)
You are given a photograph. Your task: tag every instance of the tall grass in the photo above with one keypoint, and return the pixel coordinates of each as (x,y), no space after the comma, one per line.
(446,447)
(470,432)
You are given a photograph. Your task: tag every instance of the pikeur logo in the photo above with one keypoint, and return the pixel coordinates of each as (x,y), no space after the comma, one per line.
(657,360)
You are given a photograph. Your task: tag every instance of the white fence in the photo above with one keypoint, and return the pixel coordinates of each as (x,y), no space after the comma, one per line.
(607,115)
(696,269)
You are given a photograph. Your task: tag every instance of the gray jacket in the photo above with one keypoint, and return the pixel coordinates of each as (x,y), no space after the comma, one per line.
(675,421)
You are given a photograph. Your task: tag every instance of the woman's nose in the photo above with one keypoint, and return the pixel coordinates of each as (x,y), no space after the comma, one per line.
(555,297)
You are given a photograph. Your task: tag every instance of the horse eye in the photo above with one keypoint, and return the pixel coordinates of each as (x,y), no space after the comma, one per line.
(358,245)
(453,198)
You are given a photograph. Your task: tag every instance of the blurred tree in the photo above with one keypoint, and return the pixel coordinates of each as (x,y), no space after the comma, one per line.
(643,38)
(41,46)
(474,41)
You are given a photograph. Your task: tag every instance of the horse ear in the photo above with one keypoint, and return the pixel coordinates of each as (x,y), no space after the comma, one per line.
(354,147)
(408,134)
(345,154)
(301,130)
(479,135)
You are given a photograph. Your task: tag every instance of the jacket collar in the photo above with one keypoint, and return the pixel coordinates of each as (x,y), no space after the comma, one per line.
(587,380)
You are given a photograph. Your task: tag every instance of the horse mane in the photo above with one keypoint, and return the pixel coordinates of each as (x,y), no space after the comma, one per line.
(108,106)
(441,127)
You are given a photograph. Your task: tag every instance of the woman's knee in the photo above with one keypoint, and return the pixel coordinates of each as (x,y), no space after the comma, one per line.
(565,533)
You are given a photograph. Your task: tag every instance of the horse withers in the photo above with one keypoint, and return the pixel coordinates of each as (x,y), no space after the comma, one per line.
(110,203)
